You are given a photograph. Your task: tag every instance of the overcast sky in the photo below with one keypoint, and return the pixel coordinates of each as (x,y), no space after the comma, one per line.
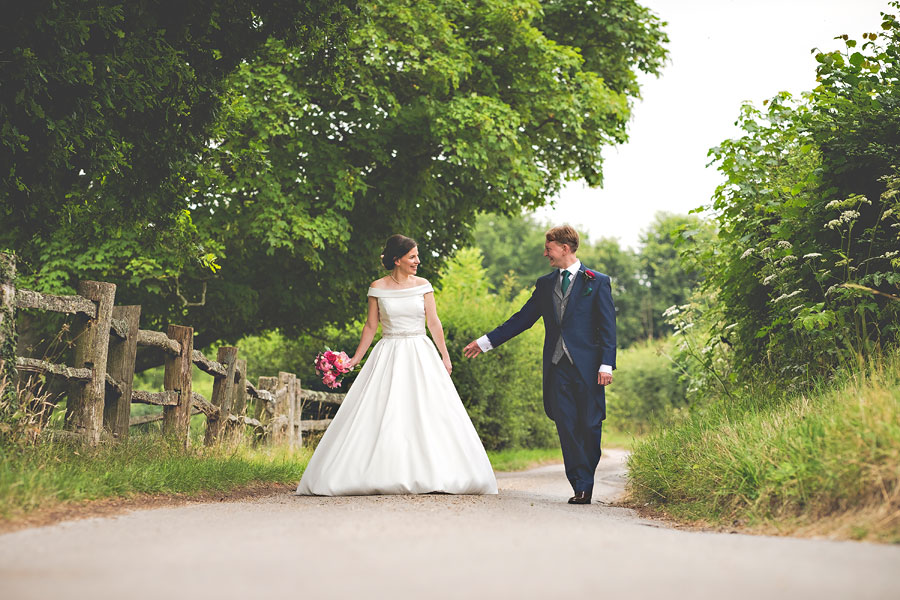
(722,53)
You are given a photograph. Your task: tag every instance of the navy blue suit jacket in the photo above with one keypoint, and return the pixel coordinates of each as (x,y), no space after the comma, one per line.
(588,328)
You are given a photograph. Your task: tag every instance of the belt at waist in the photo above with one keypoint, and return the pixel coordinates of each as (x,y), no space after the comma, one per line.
(403,334)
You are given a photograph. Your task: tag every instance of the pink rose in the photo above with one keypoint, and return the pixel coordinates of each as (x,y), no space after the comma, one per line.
(330,356)
(329,378)
(342,362)
(322,364)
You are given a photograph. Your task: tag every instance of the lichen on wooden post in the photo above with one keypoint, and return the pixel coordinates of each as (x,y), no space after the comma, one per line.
(297,414)
(178,377)
(239,404)
(222,395)
(120,366)
(84,413)
(265,413)
(7,327)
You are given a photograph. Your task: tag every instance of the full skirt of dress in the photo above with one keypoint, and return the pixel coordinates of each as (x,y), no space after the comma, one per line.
(401,429)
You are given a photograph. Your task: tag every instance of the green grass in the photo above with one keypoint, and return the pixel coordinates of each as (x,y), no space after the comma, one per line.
(53,473)
(825,463)
(519,459)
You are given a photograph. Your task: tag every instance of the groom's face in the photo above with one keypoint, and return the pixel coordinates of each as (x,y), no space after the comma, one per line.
(556,253)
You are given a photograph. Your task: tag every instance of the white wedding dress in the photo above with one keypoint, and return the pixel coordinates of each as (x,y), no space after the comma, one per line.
(401,428)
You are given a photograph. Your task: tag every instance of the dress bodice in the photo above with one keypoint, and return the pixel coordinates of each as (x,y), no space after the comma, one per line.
(402,312)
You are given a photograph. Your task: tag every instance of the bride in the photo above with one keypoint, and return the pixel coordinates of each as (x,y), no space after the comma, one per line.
(401,428)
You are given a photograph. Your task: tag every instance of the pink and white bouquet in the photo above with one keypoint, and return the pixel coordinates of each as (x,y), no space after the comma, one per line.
(332,366)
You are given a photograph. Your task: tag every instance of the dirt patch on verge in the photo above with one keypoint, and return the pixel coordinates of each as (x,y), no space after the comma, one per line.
(106,507)
(880,525)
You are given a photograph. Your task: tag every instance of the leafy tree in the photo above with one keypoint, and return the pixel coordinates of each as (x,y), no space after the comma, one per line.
(105,109)
(447,108)
(434,110)
(105,106)
(667,281)
(513,248)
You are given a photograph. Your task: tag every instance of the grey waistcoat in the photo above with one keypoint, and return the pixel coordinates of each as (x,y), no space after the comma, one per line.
(560,302)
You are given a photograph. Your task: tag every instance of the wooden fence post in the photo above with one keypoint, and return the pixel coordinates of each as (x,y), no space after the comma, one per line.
(296,414)
(178,377)
(280,431)
(263,414)
(8,322)
(223,392)
(84,412)
(120,366)
(239,404)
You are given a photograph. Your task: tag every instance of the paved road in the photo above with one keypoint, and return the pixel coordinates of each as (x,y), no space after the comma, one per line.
(524,543)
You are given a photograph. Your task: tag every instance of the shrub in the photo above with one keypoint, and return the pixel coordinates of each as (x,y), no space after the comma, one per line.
(647,387)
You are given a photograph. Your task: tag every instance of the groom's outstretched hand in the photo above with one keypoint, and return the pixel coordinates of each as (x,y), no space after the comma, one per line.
(472,350)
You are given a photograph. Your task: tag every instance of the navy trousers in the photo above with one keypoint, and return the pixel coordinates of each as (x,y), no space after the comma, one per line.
(578,424)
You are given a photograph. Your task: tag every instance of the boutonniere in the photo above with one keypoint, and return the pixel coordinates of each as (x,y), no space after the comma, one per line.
(589,278)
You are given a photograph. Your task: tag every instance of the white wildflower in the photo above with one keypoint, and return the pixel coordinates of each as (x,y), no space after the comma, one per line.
(849,215)
(796,308)
(786,296)
(812,255)
(833,224)
(746,253)
(765,252)
(769,279)
(788,259)
(833,204)
(672,310)
(785,244)
(732,326)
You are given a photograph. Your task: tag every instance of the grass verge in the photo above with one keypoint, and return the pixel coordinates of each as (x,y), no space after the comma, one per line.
(51,474)
(519,459)
(825,464)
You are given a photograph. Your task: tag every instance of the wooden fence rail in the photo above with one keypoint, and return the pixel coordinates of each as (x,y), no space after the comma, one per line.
(100,382)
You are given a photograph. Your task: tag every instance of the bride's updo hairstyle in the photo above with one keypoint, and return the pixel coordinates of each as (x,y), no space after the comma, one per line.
(397,246)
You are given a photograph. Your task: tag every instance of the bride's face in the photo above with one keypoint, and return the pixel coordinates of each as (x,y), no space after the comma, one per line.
(409,263)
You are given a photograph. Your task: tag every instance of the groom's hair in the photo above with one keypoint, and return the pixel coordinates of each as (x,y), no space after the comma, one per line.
(564,234)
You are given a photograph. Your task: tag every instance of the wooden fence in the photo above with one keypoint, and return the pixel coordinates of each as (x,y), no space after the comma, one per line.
(100,391)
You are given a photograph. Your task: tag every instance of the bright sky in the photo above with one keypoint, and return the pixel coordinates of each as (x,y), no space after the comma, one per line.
(722,53)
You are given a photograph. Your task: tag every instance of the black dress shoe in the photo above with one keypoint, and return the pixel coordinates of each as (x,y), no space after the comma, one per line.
(580,498)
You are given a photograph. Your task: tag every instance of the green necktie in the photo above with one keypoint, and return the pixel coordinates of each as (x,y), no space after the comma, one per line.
(565,281)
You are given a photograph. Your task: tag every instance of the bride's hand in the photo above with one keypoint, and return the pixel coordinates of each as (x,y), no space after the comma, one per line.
(353,362)
(447,365)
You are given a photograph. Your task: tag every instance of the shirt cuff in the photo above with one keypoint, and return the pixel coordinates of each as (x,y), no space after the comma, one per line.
(606,369)
(485,344)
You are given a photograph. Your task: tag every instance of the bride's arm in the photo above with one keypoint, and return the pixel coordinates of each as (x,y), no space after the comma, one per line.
(437,331)
(368,332)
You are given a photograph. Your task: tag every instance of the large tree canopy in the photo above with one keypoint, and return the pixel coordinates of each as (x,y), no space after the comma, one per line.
(105,107)
(434,110)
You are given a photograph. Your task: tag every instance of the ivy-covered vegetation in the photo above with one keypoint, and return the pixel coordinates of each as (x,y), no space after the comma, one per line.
(805,269)
(789,344)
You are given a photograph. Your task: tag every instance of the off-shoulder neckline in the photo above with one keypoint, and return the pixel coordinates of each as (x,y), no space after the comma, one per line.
(423,288)
(412,287)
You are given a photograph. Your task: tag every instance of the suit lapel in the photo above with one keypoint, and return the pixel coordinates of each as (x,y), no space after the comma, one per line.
(553,293)
(574,292)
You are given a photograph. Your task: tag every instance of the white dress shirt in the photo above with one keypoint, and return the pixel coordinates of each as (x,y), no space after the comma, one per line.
(485,343)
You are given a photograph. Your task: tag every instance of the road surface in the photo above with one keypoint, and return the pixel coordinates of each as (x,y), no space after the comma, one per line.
(524,543)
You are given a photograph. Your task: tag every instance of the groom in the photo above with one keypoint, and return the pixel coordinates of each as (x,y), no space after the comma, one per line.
(579,353)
